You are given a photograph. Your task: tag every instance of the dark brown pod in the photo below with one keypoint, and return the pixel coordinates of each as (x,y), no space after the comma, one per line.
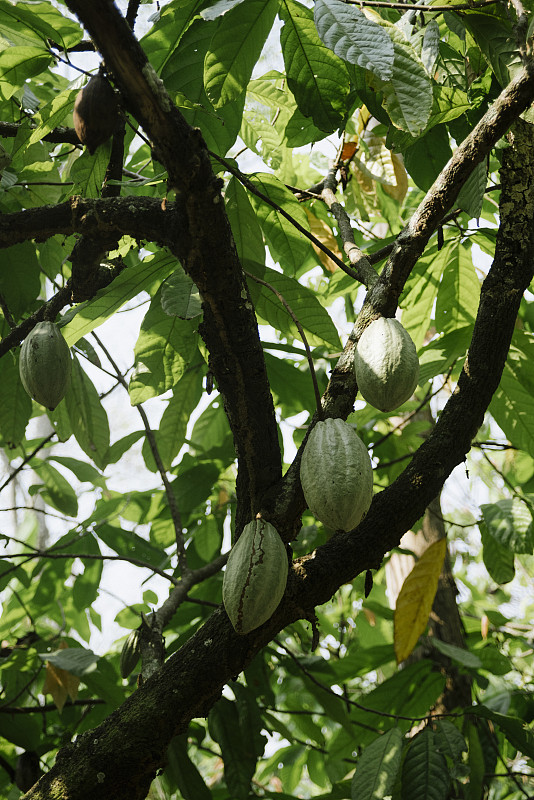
(96,113)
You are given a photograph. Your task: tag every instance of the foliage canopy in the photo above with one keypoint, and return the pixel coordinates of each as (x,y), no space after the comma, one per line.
(282,175)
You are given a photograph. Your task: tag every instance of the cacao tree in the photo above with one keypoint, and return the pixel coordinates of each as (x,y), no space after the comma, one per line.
(243,189)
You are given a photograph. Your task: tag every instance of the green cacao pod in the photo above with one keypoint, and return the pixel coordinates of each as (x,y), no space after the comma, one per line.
(386,364)
(129,654)
(255,577)
(45,364)
(336,475)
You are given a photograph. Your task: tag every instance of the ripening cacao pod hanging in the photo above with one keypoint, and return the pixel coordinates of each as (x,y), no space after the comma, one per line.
(45,364)
(96,112)
(336,475)
(386,364)
(255,577)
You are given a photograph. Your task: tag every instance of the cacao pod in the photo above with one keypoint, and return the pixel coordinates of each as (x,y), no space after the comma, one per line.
(255,577)
(336,475)
(45,364)
(386,364)
(96,112)
(129,654)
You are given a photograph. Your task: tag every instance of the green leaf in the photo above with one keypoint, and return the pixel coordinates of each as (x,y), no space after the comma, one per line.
(421,291)
(499,561)
(59,493)
(180,297)
(510,523)
(183,78)
(186,395)
(235,48)
(237,750)
(43,19)
(15,404)
(513,403)
(377,767)
(425,159)
(127,543)
(53,114)
(20,281)
(521,736)
(88,316)
(88,171)
(76,660)
(85,472)
(312,316)
(183,773)
(18,64)
(353,37)
(163,350)
(472,192)
(475,788)
(408,94)
(245,228)
(162,39)
(286,243)
(87,416)
(457,654)
(459,291)
(494,36)
(318,78)
(449,740)
(424,770)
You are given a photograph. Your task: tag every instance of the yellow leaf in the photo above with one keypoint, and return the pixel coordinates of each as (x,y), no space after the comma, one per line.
(415,599)
(60,684)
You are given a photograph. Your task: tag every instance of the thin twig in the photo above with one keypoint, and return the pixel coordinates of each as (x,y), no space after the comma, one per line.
(27,459)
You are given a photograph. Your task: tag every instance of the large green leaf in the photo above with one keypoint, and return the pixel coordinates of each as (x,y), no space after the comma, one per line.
(459,291)
(377,767)
(408,94)
(237,749)
(161,41)
(235,48)
(287,245)
(353,37)
(424,769)
(183,79)
(513,402)
(421,291)
(142,277)
(510,522)
(313,317)
(87,416)
(18,64)
(186,394)
(316,76)
(183,773)
(58,492)
(245,228)
(41,19)
(498,559)
(163,350)
(15,404)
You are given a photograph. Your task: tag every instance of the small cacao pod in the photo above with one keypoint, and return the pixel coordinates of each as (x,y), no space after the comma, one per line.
(129,654)
(336,475)
(386,364)
(45,364)
(96,112)
(255,577)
